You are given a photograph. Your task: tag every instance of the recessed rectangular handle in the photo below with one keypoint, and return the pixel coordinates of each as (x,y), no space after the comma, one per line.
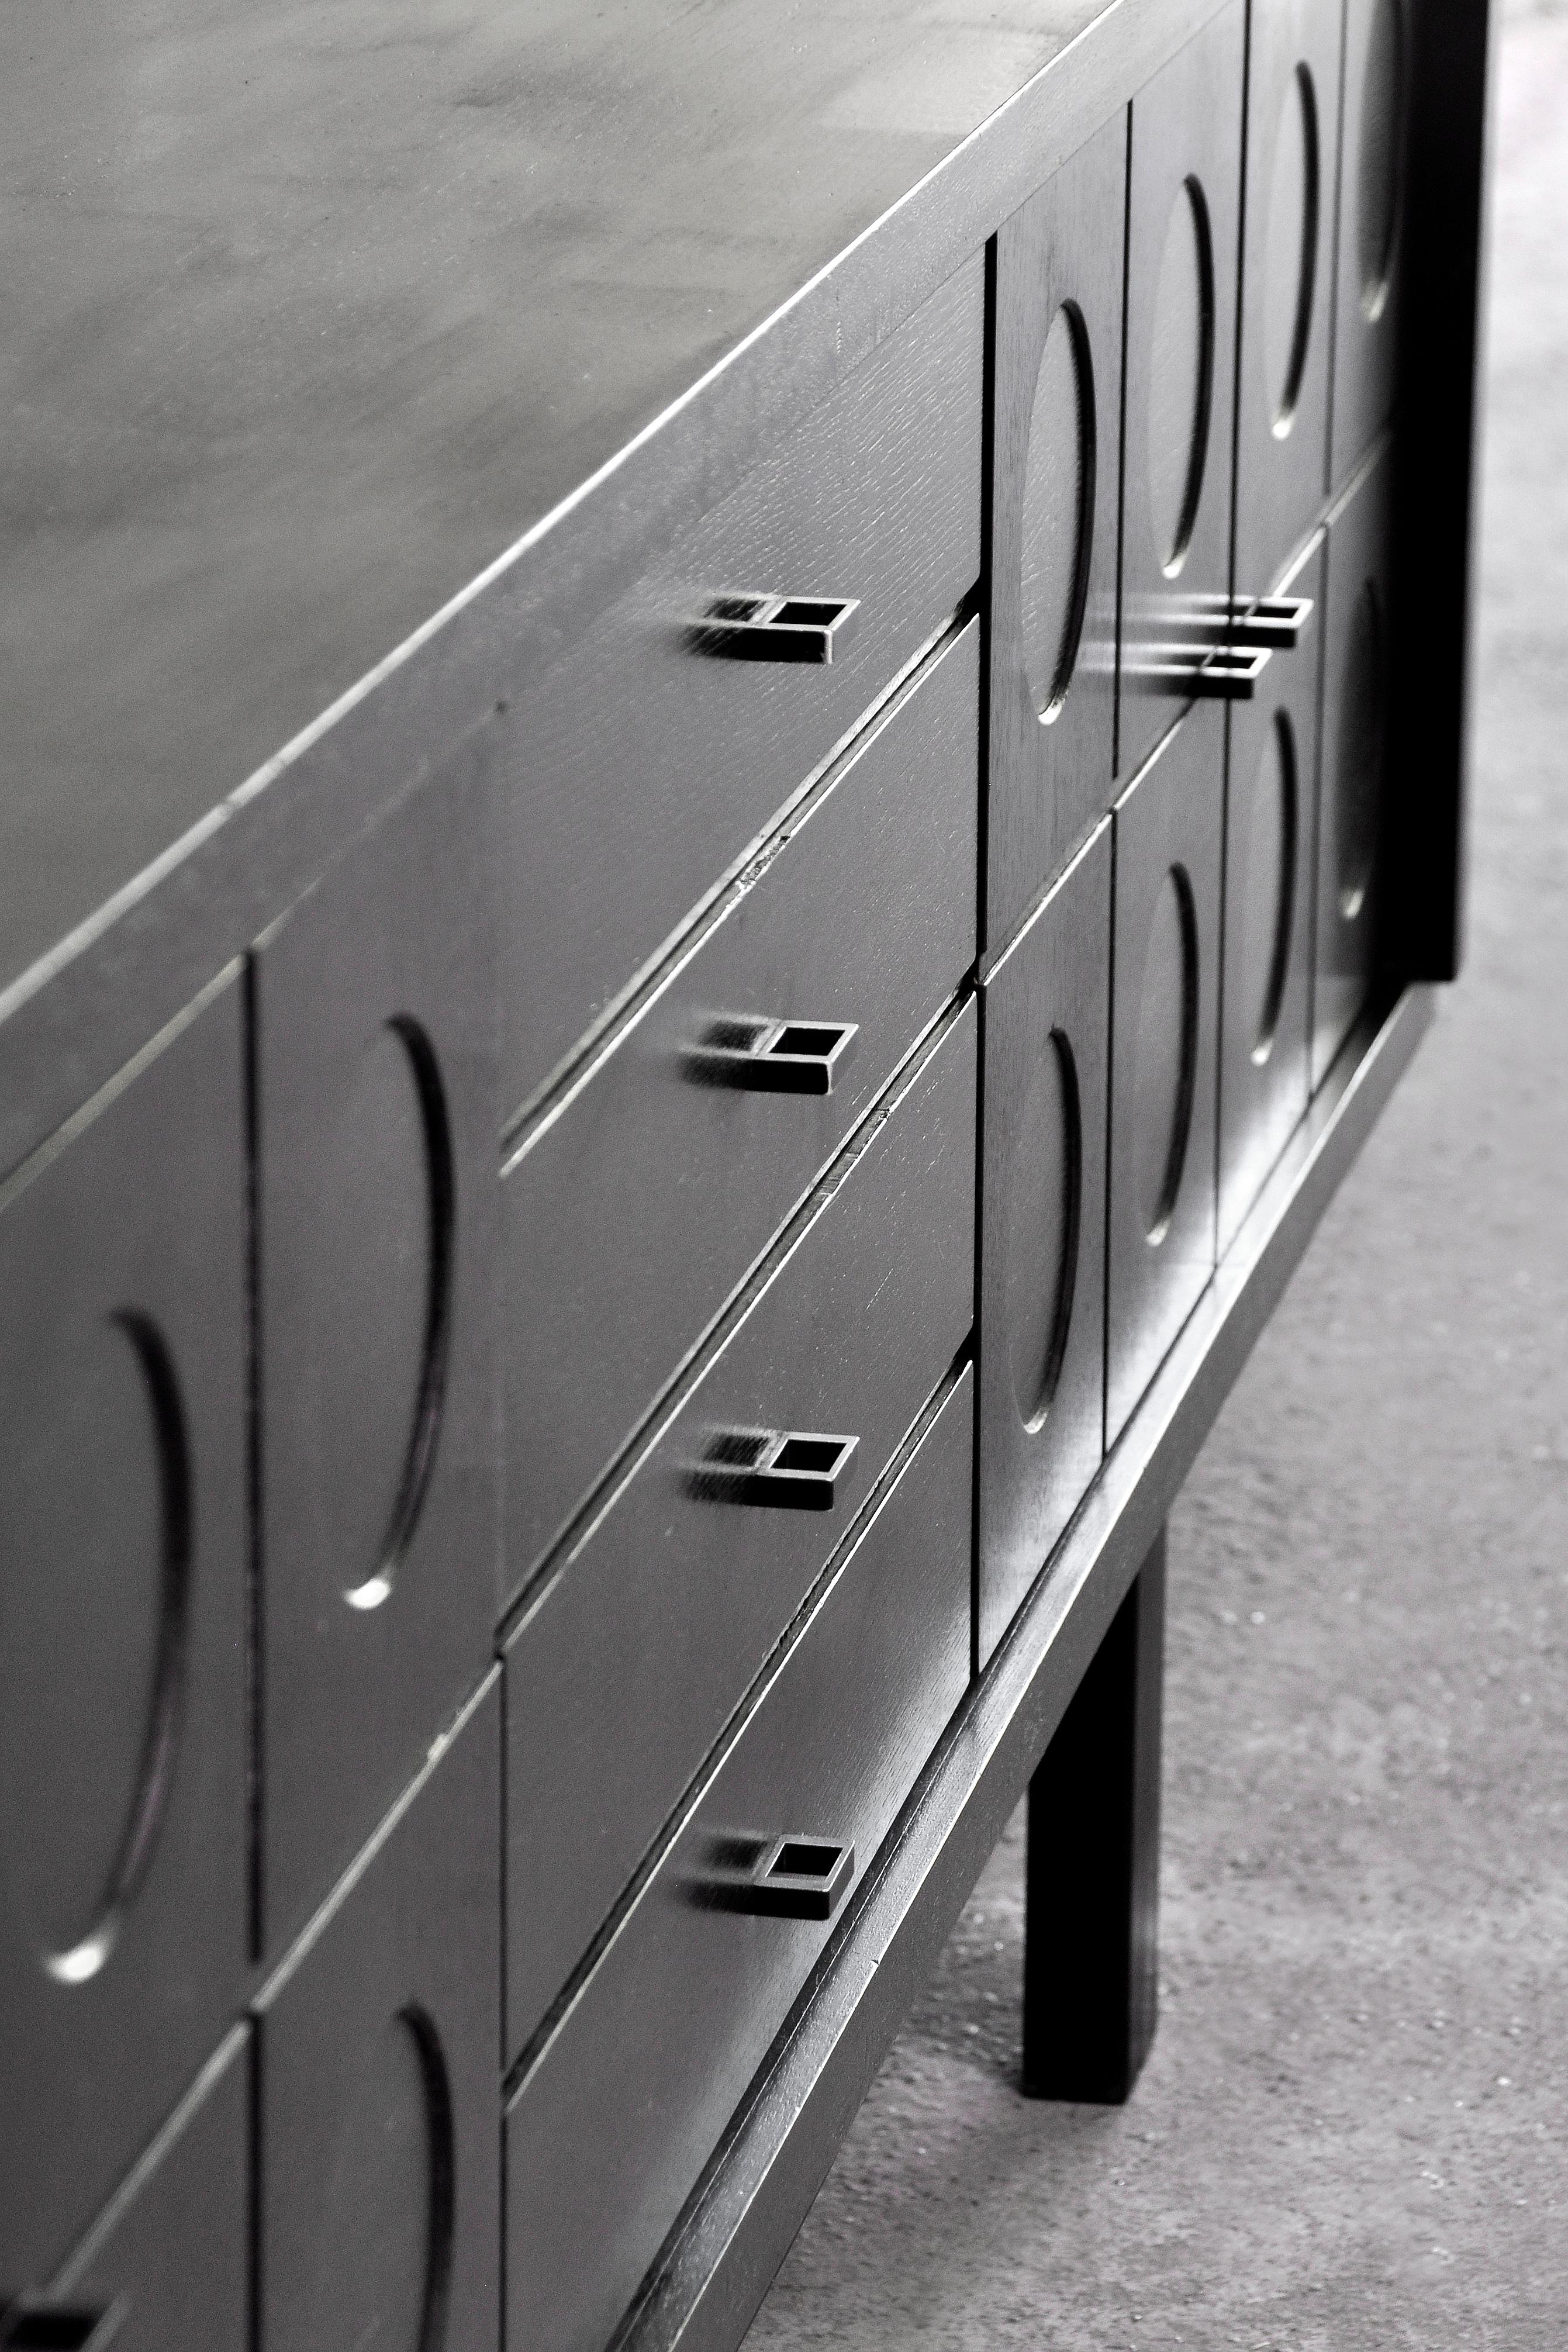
(1221,673)
(775,1057)
(786,1878)
(758,627)
(61,2327)
(775,1469)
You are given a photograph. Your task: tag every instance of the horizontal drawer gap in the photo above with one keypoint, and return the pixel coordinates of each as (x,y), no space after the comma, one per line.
(671,1397)
(775,1661)
(550,1099)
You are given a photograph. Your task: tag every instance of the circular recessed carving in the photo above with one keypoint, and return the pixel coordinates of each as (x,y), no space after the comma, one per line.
(383,1310)
(1377,166)
(1268,904)
(384,2259)
(1058,511)
(97,1512)
(1290,250)
(1361,752)
(1181,377)
(1165,1060)
(1047,1183)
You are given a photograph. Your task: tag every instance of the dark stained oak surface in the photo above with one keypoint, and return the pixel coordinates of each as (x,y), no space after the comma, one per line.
(311,314)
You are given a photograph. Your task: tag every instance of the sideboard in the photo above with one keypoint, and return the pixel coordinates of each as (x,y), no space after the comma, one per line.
(737,749)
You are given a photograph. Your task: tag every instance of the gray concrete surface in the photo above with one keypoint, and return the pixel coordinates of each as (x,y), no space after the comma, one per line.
(1352,2131)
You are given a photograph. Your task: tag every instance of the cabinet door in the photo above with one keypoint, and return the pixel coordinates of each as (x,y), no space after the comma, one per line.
(1054,489)
(377,1177)
(1164,1060)
(123,1610)
(166,2266)
(1371,189)
(1184,209)
(1352,788)
(1047,1012)
(380,2047)
(1287,282)
(1270,796)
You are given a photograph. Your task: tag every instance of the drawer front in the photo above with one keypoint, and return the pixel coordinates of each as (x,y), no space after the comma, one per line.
(1370,241)
(630,1220)
(1055,485)
(1164,1055)
(1270,798)
(1287,283)
(613,2126)
(124,1926)
(650,757)
(1352,788)
(376,1200)
(1181,254)
(626,1668)
(379,2195)
(1046,1019)
(167,2268)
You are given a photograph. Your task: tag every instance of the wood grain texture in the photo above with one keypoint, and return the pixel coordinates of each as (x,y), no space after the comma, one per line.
(1287,282)
(171,2253)
(626,1666)
(124,1889)
(1271,795)
(376,1195)
(1048,782)
(1159,1238)
(642,769)
(1042,1248)
(1187,158)
(630,1219)
(1353,877)
(613,2126)
(379,2196)
(1374,224)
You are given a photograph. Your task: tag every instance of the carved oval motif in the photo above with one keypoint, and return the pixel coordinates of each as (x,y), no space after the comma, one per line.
(385,2253)
(1268,908)
(97,1512)
(1043,1229)
(383,1311)
(1058,511)
(1377,166)
(1166,1059)
(1181,377)
(1290,250)
(1361,753)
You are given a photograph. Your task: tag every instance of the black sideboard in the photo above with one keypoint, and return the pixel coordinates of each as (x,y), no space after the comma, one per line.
(738,771)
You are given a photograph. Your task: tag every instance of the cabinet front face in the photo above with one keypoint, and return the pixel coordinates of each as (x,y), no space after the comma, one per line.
(167,2269)
(626,1666)
(1287,283)
(377,1175)
(1054,493)
(631,1218)
(1270,797)
(123,1610)
(1046,1012)
(616,2119)
(1372,182)
(1184,206)
(1354,762)
(1164,1060)
(676,728)
(379,2124)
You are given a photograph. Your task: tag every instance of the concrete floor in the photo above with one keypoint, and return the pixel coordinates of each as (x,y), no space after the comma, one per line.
(1352,2131)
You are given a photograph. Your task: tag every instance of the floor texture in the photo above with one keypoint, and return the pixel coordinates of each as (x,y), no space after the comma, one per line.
(1352,2133)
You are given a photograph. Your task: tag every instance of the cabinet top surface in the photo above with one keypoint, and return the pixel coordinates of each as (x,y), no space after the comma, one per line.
(310,312)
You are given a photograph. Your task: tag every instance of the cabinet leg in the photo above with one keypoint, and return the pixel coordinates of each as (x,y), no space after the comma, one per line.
(1091,1955)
